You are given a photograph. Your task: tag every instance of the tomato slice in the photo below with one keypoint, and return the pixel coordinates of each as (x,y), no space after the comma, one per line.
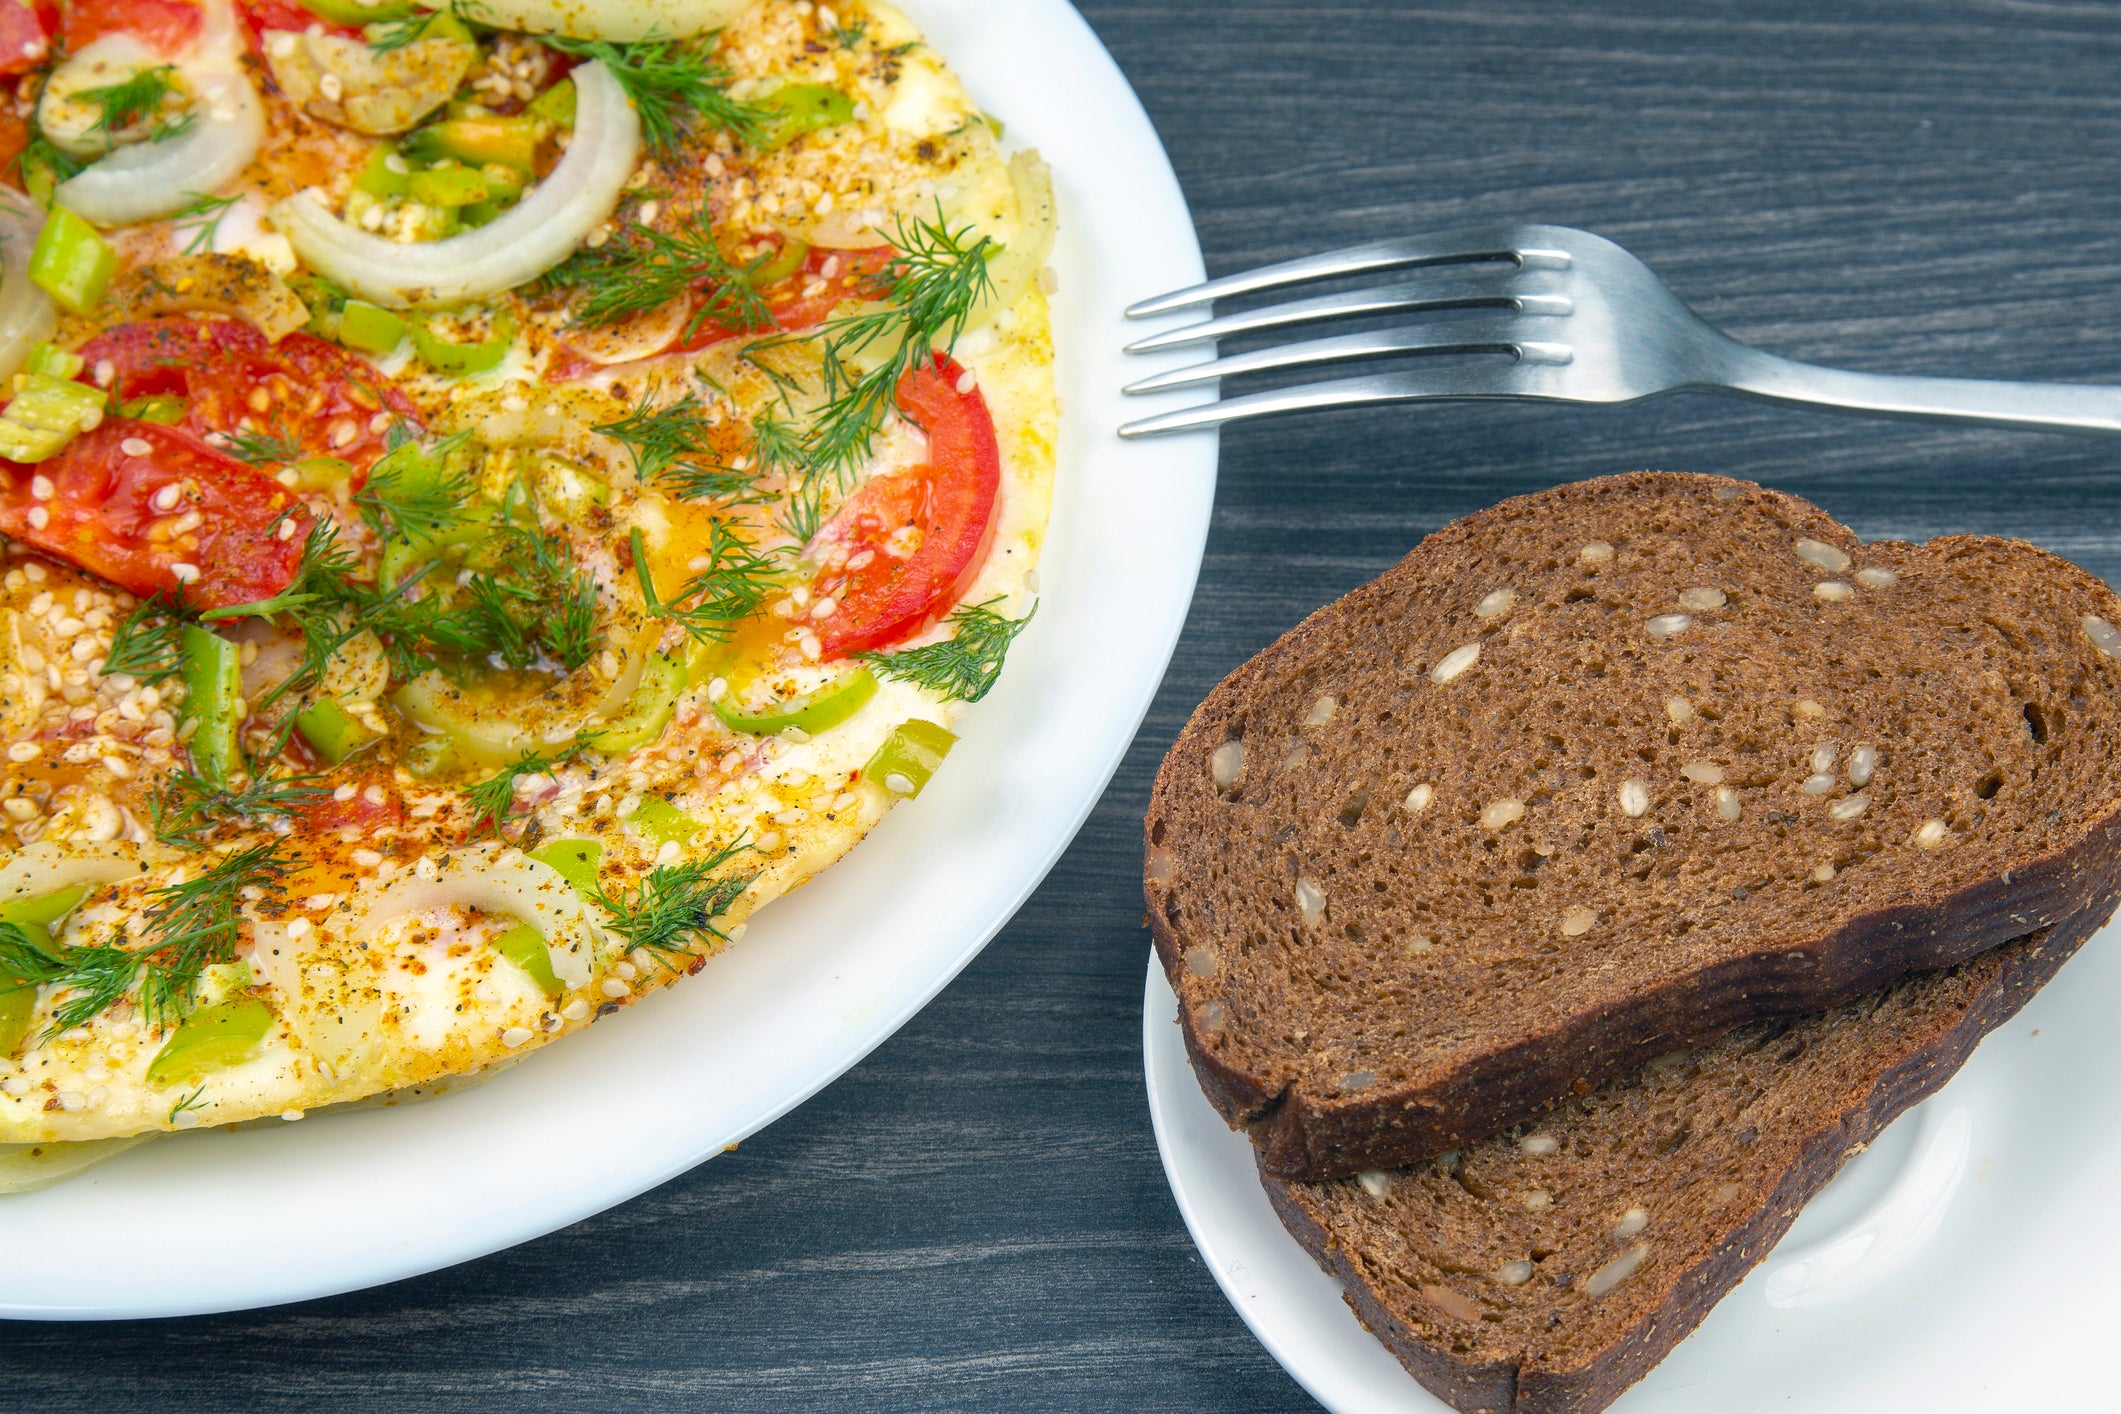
(25,35)
(359,809)
(164,25)
(262,15)
(104,514)
(906,545)
(314,394)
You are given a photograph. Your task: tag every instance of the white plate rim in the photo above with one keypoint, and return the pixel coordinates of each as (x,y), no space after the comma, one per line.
(368,1197)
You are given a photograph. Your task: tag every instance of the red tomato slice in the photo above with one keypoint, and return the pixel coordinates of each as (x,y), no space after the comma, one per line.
(164,25)
(316,395)
(262,15)
(25,35)
(331,813)
(102,514)
(14,137)
(906,546)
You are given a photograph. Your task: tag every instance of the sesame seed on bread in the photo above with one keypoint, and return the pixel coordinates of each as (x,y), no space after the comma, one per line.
(1606,772)
(1545,1269)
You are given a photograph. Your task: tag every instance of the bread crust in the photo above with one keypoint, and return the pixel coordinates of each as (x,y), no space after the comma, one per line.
(1475,1089)
(1689,1289)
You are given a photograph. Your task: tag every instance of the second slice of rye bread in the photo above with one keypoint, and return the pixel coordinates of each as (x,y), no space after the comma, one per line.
(1547,1268)
(1605,772)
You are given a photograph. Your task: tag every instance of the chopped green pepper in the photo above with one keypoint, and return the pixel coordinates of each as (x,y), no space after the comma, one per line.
(43,168)
(510,142)
(524,946)
(49,358)
(321,473)
(209,1039)
(781,264)
(45,414)
(70,262)
(798,108)
(648,711)
(445,355)
(453,185)
(353,12)
(576,861)
(383,174)
(430,756)
(555,105)
(663,822)
(45,909)
(369,327)
(165,408)
(811,713)
(567,490)
(909,756)
(335,732)
(213,682)
(18,997)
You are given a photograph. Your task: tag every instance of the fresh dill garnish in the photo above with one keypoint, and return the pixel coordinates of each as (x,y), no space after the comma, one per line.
(187,808)
(260,448)
(145,644)
(493,800)
(129,102)
(923,298)
(406,502)
(195,1100)
(673,909)
(643,269)
(316,600)
(42,154)
(202,217)
(385,36)
(849,35)
(663,442)
(673,84)
(544,600)
(737,581)
(963,666)
(804,512)
(194,925)
(97,975)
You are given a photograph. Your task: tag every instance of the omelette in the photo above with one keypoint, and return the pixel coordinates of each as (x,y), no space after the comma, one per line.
(493,495)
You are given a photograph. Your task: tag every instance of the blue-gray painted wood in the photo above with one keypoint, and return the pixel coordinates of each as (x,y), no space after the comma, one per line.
(975,1217)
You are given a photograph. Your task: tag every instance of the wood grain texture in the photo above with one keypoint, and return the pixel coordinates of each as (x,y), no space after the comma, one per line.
(975,1217)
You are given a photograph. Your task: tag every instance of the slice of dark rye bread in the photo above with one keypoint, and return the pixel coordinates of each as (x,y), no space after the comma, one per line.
(1548,1268)
(1607,771)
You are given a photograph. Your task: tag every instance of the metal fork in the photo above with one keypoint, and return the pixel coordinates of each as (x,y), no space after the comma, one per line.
(1582,320)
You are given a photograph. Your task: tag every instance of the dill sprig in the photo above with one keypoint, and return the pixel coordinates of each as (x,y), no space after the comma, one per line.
(673,909)
(644,269)
(194,925)
(674,84)
(188,808)
(736,583)
(145,644)
(924,297)
(663,443)
(260,448)
(202,217)
(493,800)
(544,600)
(98,974)
(963,666)
(125,103)
(412,502)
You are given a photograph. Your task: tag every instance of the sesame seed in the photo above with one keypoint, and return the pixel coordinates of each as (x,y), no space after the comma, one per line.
(1595,552)
(184,573)
(1577,922)
(41,488)
(1816,552)
(1536,1199)
(1823,758)
(1519,1272)
(967,381)
(136,446)
(1632,1221)
(1310,902)
(1701,600)
(1418,798)
(2104,636)
(1818,785)
(1496,601)
(1849,807)
(1807,708)
(1454,663)
(1635,797)
(613,987)
(515,1036)
(24,751)
(1706,773)
(1539,1145)
(330,86)
(769,842)
(366,858)
(165,498)
(1862,762)
(1669,625)
(1833,591)
(1727,803)
(1873,577)
(38,517)
(575,1010)
(1501,814)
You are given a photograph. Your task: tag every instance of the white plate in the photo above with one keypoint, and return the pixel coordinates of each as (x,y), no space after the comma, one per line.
(1958,1265)
(345,1201)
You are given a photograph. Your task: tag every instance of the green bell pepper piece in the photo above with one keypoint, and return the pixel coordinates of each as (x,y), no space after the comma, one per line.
(209,1039)
(555,105)
(475,142)
(781,264)
(213,681)
(369,327)
(71,263)
(18,996)
(49,358)
(335,732)
(909,756)
(811,713)
(524,946)
(445,355)
(379,176)
(44,910)
(663,822)
(352,12)
(165,408)
(576,861)
(430,756)
(453,185)
(648,710)
(321,473)
(798,108)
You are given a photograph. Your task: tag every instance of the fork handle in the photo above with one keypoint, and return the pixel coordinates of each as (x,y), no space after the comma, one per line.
(2052,407)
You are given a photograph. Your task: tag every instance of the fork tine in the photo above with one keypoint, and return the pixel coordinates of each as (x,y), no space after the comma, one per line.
(1444,381)
(1443,248)
(1399,297)
(1467,336)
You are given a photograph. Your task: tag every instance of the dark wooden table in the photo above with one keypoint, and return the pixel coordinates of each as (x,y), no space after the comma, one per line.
(975,1217)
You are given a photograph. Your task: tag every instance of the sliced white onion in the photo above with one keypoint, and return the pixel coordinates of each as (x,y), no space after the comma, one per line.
(1025,250)
(150,179)
(623,21)
(24,1168)
(538,233)
(26,314)
(46,867)
(498,879)
(74,125)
